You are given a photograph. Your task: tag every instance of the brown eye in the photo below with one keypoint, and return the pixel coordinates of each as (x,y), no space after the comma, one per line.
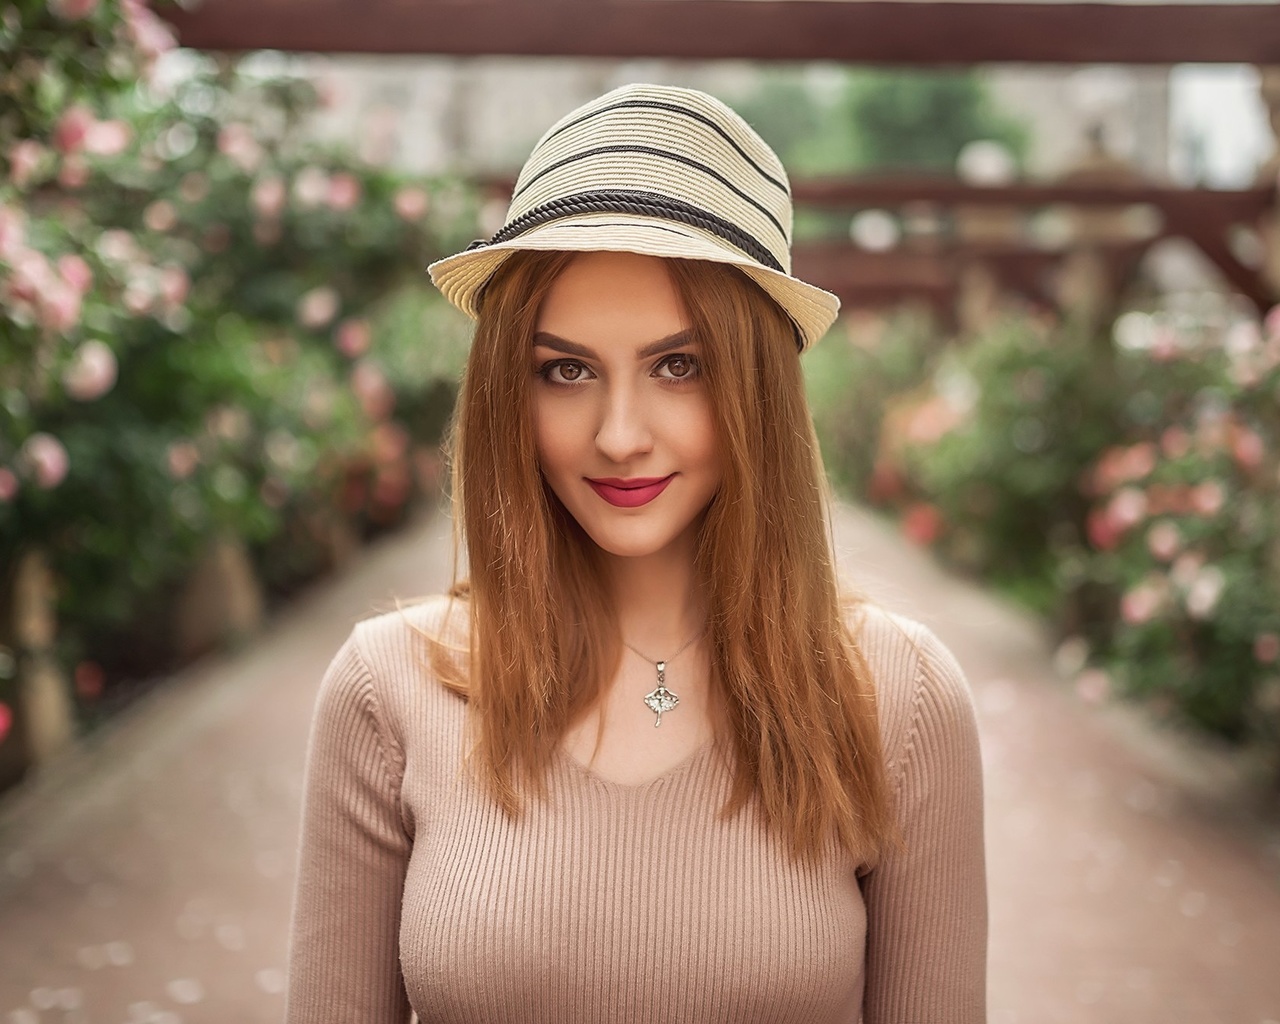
(680,367)
(570,371)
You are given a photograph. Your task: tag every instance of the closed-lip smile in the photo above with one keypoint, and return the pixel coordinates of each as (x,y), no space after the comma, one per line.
(630,492)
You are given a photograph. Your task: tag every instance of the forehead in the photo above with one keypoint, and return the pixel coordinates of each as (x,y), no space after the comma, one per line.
(612,297)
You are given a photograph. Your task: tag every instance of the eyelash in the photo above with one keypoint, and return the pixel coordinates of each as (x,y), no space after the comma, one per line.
(546,369)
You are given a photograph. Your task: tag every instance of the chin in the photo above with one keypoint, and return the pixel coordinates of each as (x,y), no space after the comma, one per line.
(616,540)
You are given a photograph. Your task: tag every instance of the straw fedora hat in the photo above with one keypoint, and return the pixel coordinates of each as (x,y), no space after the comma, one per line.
(657,170)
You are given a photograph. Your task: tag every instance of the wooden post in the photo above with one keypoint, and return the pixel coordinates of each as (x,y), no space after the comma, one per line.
(45,712)
(222,601)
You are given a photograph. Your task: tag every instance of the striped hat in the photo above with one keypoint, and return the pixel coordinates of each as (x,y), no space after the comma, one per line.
(658,170)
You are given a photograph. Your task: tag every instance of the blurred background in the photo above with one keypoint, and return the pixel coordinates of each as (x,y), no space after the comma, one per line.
(1050,410)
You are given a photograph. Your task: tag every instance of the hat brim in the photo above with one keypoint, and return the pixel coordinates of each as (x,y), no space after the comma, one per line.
(461,277)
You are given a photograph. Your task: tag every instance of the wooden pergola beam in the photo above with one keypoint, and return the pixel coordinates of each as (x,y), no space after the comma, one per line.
(1244,205)
(863,31)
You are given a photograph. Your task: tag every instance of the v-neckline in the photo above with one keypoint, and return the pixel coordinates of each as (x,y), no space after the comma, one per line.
(679,768)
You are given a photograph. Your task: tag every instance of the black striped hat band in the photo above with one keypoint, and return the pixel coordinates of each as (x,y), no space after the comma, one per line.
(634,201)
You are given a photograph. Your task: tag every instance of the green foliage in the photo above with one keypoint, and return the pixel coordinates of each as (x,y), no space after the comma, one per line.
(922,120)
(850,379)
(209,325)
(1036,410)
(875,119)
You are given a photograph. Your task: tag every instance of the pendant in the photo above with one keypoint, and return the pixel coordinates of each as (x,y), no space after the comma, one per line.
(661,699)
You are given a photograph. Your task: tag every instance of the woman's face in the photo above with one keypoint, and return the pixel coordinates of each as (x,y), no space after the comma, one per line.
(626,436)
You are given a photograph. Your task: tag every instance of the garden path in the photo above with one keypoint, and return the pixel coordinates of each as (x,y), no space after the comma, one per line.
(148,878)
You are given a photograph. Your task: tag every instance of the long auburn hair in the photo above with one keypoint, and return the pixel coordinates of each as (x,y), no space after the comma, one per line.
(543,636)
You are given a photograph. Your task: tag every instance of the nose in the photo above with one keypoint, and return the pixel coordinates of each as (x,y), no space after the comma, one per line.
(623,431)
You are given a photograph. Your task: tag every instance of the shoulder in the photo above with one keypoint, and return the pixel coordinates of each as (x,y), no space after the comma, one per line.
(386,664)
(407,631)
(921,690)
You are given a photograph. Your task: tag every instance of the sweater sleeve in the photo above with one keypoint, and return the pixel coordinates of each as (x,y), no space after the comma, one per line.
(927,903)
(344,964)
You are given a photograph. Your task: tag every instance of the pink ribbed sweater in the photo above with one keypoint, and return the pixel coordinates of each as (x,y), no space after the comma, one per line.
(624,903)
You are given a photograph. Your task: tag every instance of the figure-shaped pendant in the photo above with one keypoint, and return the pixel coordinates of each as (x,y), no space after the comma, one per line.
(661,699)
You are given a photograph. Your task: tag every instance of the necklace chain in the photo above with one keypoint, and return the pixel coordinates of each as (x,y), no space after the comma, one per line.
(683,648)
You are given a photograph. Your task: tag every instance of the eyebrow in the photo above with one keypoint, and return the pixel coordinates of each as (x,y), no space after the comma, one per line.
(680,339)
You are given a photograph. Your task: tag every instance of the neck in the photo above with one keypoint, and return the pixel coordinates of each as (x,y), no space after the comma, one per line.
(658,601)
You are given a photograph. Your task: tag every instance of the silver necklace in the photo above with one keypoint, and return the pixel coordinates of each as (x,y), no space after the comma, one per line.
(661,699)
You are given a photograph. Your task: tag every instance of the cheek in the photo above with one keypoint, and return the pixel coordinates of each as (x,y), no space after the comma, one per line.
(701,440)
(555,435)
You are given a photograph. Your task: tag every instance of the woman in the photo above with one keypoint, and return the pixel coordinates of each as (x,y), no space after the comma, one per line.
(644,764)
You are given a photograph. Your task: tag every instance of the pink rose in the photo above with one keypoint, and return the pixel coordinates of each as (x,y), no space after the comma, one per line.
(1164,540)
(25,158)
(237,143)
(411,203)
(28,281)
(1208,498)
(373,391)
(310,187)
(46,459)
(1103,533)
(92,372)
(1175,442)
(183,457)
(59,307)
(1206,592)
(8,485)
(175,285)
(1186,568)
(1248,449)
(13,232)
(344,192)
(268,197)
(1165,345)
(73,10)
(117,246)
(72,129)
(922,523)
(1139,460)
(6,720)
(390,443)
(151,36)
(160,216)
(1127,508)
(1266,647)
(107,138)
(140,291)
(74,172)
(318,307)
(76,272)
(1271,323)
(1141,603)
(353,337)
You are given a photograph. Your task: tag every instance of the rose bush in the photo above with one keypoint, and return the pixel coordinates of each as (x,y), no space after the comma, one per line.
(1183,530)
(208,323)
(1126,487)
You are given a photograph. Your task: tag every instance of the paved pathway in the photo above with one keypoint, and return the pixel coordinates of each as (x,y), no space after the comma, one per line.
(149,879)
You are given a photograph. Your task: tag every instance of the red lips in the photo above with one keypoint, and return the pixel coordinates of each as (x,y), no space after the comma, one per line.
(630,493)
